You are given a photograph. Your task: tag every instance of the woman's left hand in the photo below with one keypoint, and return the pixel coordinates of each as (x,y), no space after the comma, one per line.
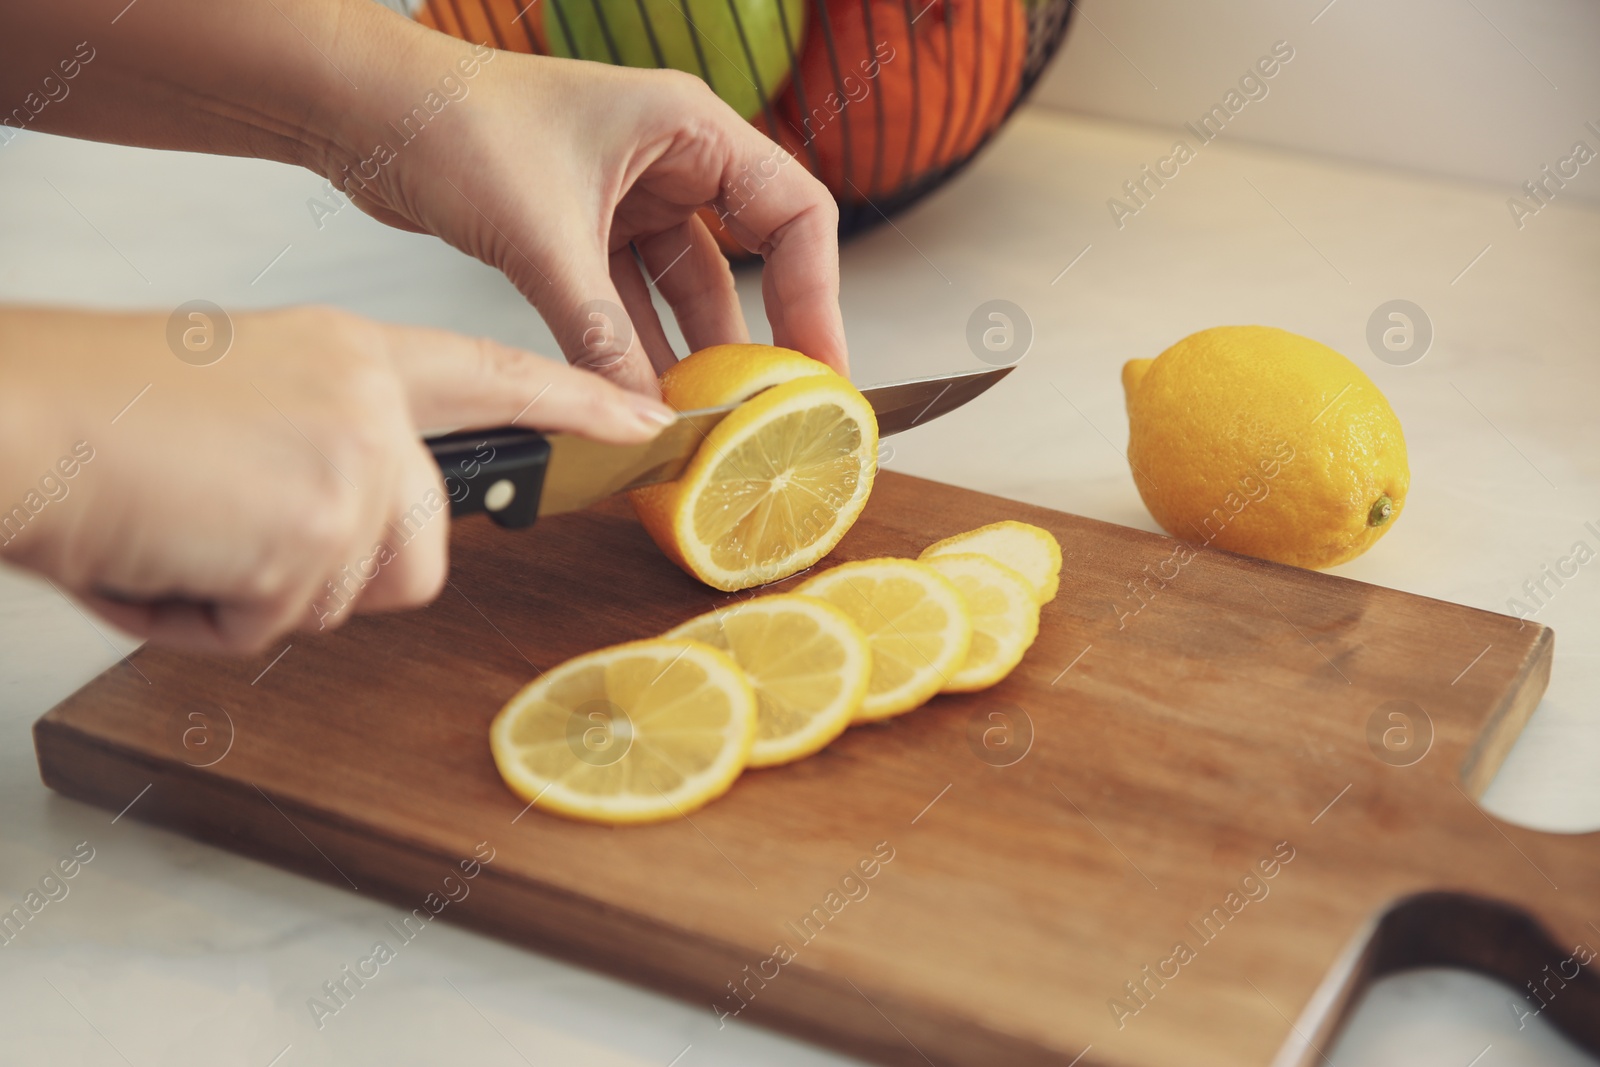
(552,170)
(555,171)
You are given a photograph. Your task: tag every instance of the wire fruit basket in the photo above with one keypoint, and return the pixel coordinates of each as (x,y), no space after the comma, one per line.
(884,100)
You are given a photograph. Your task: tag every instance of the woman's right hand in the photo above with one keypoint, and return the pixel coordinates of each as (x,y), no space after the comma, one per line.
(285,485)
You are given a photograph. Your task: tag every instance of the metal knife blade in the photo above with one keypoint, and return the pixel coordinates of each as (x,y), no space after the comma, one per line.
(581,472)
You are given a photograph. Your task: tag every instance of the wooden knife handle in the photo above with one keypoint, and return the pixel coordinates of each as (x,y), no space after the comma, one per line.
(498,471)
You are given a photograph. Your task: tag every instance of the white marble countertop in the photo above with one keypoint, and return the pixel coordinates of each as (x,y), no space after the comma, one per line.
(173,953)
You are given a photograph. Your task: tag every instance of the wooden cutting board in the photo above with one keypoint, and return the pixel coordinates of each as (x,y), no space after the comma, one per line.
(1200,816)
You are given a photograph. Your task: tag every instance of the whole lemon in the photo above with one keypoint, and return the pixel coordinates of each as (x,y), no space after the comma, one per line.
(1263,442)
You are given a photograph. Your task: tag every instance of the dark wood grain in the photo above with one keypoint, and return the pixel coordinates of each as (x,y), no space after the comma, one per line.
(1226,719)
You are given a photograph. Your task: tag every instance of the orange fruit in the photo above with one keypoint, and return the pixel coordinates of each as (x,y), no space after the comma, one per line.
(502,24)
(901,94)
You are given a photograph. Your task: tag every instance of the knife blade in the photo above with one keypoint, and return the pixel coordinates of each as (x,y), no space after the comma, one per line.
(516,474)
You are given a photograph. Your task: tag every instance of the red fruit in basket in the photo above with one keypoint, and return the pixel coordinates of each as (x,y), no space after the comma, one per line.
(901,93)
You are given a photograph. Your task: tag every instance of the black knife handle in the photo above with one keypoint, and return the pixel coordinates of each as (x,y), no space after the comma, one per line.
(499,471)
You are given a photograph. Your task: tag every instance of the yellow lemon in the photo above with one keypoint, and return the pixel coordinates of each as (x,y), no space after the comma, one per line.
(809,664)
(1032,552)
(915,619)
(634,733)
(1005,617)
(723,374)
(776,483)
(1263,442)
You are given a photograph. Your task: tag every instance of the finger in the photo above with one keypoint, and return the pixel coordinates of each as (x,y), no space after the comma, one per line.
(371,554)
(194,626)
(320,606)
(691,272)
(641,308)
(455,382)
(129,617)
(774,306)
(584,311)
(346,542)
(333,602)
(794,223)
(409,568)
(199,626)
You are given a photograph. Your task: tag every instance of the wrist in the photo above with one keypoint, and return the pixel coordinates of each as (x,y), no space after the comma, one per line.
(412,79)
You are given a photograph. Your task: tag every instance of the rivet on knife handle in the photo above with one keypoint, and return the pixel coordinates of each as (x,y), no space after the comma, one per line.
(499,471)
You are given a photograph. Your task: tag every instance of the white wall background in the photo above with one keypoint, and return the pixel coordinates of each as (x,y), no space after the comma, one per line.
(1486,90)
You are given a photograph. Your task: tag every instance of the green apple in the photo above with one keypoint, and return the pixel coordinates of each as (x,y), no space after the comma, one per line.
(655,33)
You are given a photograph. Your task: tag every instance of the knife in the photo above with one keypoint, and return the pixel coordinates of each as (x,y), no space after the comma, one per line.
(517,475)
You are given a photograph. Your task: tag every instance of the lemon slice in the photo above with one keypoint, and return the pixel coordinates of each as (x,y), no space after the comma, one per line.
(1029,550)
(635,733)
(809,664)
(772,489)
(915,620)
(1005,617)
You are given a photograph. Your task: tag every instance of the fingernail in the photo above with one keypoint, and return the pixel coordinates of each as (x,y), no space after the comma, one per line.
(653,413)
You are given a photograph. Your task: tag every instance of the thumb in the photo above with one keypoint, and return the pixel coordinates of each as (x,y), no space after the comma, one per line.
(454,382)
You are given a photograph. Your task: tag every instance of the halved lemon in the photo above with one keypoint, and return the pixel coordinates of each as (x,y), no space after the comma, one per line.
(809,664)
(915,620)
(635,733)
(1029,550)
(1005,617)
(723,374)
(774,486)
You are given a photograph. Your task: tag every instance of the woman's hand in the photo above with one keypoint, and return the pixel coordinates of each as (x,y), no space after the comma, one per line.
(552,170)
(285,485)
(555,171)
